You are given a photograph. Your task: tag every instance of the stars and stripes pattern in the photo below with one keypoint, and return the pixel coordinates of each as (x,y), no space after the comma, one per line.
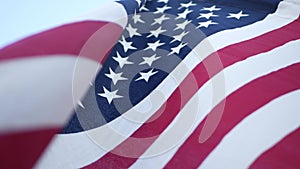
(168,32)
(37,81)
(189,84)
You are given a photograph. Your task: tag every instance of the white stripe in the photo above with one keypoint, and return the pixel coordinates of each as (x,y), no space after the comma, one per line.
(164,148)
(37,92)
(257,133)
(121,128)
(88,151)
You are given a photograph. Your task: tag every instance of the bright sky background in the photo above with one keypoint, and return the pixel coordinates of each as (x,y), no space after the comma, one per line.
(21,18)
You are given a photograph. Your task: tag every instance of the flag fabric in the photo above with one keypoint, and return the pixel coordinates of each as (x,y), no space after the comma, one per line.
(37,81)
(180,84)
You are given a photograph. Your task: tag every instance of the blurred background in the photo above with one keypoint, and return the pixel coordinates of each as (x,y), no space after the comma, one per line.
(20,19)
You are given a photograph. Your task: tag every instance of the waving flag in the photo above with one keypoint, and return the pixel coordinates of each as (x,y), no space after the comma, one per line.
(207,84)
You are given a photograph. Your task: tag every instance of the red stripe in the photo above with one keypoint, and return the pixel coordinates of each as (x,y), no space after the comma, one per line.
(257,93)
(89,39)
(208,68)
(284,154)
(22,150)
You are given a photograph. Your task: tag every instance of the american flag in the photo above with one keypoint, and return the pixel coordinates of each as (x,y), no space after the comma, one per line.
(157,84)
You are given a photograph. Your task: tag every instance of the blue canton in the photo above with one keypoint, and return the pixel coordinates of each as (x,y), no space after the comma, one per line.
(158,36)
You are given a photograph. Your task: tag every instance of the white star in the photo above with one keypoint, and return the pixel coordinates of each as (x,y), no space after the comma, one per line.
(156,32)
(212,8)
(115,77)
(139,2)
(162,9)
(80,104)
(154,45)
(109,95)
(237,15)
(126,45)
(146,76)
(160,20)
(186,5)
(206,24)
(149,60)
(143,8)
(164,1)
(184,14)
(122,61)
(179,37)
(177,49)
(182,25)
(132,31)
(207,15)
(137,18)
